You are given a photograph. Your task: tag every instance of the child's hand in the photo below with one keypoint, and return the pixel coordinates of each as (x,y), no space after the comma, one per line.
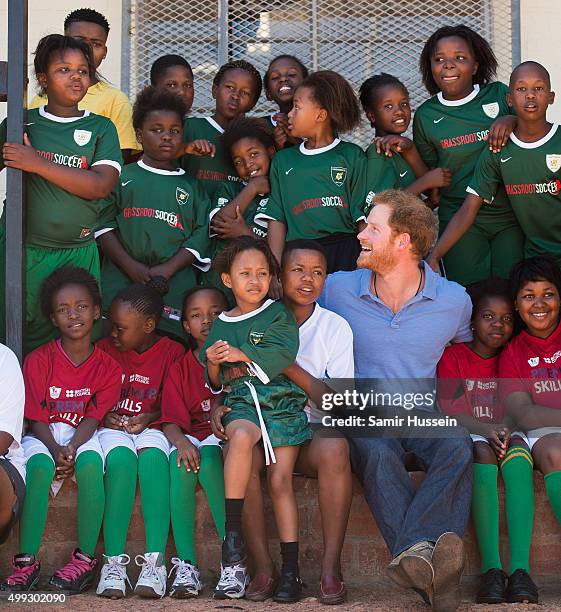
(433,200)
(227,227)
(138,272)
(235,355)
(188,453)
(216,421)
(280,136)
(21,156)
(113,420)
(392,143)
(65,462)
(218,352)
(200,148)
(439,177)
(500,131)
(275,289)
(499,437)
(161,270)
(260,184)
(138,423)
(434,263)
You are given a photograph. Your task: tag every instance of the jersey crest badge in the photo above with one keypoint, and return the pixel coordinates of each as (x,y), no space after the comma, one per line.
(491,110)
(85,232)
(181,196)
(256,337)
(338,175)
(82,137)
(205,405)
(533,361)
(553,161)
(470,384)
(54,392)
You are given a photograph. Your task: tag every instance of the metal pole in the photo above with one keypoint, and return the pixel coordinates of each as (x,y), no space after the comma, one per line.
(315,42)
(516,38)
(126,47)
(15,189)
(222,32)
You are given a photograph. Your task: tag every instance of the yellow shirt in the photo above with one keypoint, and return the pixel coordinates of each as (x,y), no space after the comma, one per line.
(108,101)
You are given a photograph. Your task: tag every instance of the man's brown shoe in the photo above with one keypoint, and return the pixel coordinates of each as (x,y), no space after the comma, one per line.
(332,590)
(261,587)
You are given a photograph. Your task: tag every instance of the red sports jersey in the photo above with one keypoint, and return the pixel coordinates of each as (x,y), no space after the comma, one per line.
(143,374)
(186,399)
(533,365)
(467,384)
(57,391)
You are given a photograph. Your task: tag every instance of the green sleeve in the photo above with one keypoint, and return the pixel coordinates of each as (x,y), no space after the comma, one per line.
(227,192)
(3,128)
(358,186)
(107,147)
(423,143)
(276,350)
(487,176)
(110,208)
(195,226)
(274,207)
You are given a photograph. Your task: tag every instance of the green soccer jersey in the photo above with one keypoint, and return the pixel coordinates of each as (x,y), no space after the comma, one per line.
(56,218)
(157,212)
(453,134)
(317,192)
(530,173)
(211,171)
(269,336)
(383,172)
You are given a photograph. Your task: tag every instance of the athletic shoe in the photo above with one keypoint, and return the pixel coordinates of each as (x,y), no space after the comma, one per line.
(448,559)
(492,588)
(152,581)
(24,576)
(77,575)
(187,581)
(233,549)
(113,579)
(232,583)
(289,588)
(521,588)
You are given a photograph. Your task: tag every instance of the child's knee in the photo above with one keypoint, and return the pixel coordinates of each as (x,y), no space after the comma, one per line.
(333,454)
(242,437)
(279,482)
(483,453)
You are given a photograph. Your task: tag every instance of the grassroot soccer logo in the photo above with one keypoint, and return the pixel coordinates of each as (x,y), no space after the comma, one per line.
(338,175)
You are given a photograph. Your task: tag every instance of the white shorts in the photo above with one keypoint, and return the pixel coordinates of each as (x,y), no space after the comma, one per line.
(518,434)
(533,435)
(62,433)
(149,438)
(211,440)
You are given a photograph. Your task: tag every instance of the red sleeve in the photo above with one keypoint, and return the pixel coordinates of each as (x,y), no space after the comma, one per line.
(510,378)
(36,374)
(174,409)
(451,395)
(108,389)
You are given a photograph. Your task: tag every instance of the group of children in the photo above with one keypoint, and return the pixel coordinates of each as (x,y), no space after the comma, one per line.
(191,234)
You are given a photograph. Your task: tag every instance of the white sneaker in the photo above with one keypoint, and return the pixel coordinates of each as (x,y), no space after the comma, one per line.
(232,583)
(113,579)
(187,581)
(152,581)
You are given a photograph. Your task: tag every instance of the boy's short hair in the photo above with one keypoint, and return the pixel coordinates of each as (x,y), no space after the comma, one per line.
(62,277)
(302,244)
(409,215)
(144,299)
(494,287)
(247,127)
(153,99)
(160,66)
(89,15)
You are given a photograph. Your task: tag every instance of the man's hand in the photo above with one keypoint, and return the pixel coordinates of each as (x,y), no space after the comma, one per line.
(21,156)
(216,415)
(199,148)
(188,454)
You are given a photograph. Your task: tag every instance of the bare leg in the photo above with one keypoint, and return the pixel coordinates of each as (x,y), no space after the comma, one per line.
(242,437)
(279,477)
(7,500)
(327,457)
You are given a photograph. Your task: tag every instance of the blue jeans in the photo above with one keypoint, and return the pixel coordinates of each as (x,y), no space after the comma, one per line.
(405,516)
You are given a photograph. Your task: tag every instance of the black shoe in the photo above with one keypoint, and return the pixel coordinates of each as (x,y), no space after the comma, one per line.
(521,588)
(233,549)
(492,588)
(289,588)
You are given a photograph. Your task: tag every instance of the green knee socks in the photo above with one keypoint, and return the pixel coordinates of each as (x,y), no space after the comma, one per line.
(485,513)
(153,475)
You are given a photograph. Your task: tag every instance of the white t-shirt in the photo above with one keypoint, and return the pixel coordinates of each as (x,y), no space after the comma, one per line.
(12,400)
(326,350)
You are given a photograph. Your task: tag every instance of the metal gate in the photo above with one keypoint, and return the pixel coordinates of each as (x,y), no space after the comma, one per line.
(356,38)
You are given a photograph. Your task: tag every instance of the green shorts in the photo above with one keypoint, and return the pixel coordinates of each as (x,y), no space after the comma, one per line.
(113,280)
(485,250)
(282,406)
(39,263)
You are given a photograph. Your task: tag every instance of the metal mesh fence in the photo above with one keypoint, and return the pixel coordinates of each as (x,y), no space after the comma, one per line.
(356,38)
